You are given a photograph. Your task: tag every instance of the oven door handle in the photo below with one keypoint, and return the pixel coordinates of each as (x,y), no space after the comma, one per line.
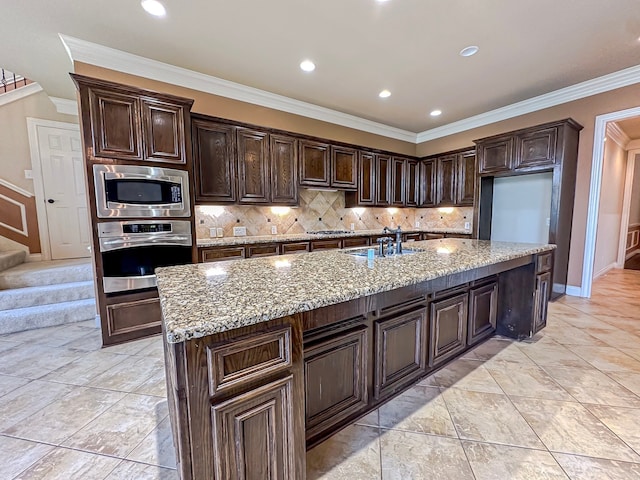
(108,244)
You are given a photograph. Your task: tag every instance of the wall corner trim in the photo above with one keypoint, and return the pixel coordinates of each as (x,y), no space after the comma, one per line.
(67,107)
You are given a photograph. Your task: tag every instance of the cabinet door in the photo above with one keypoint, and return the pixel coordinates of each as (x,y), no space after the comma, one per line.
(397,181)
(328,401)
(428,183)
(543,289)
(344,168)
(400,351)
(254,434)
(262,250)
(495,155)
(296,247)
(328,244)
(164,139)
(483,311)
(448,328)
(214,162)
(446,184)
(314,164)
(466,185)
(412,185)
(383,179)
(220,253)
(253,164)
(536,148)
(367,179)
(283,154)
(116,125)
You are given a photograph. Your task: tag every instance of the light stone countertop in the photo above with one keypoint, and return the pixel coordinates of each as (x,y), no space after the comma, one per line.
(300,237)
(207,298)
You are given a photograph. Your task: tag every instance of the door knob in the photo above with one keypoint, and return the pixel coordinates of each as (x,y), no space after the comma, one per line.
(51,200)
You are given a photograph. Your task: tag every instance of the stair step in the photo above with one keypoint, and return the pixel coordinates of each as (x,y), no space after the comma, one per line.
(45,294)
(35,274)
(28,318)
(11,258)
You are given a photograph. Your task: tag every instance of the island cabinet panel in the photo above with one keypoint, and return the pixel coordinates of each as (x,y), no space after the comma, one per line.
(284,169)
(315,164)
(254,434)
(163,125)
(344,168)
(253,163)
(383,180)
(483,312)
(329,400)
(536,148)
(428,182)
(400,351)
(214,162)
(412,185)
(448,328)
(398,180)
(446,183)
(466,184)
(496,155)
(542,292)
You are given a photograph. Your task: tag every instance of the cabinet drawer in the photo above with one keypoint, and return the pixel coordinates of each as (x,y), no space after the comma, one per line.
(262,250)
(355,242)
(433,236)
(544,262)
(127,317)
(408,237)
(217,254)
(248,360)
(326,244)
(297,247)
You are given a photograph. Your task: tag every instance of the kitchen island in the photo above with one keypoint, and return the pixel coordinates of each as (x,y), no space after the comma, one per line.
(266,357)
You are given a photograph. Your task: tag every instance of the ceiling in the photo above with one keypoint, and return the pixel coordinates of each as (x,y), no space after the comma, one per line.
(631,127)
(359,46)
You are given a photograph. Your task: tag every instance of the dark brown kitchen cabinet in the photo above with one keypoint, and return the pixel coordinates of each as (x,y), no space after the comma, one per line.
(262,250)
(541,298)
(383,180)
(397,181)
(283,154)
(130,316)
(214,162)
(216,254)
(536,148)
(295,247)
(428,182)
(366,194)
(315,164)
(355,242)
(400,353)
(163,128)
(446,180)
(447,328)
(412,185)
(328,244)
(483,312)
(252,149)
(496,155)
(466,182)
(344,168)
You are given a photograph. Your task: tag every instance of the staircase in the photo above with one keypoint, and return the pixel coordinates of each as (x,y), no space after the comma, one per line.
(44,294)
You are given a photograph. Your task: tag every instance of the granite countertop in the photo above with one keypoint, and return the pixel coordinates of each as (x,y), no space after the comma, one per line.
(300,237)
(206,298)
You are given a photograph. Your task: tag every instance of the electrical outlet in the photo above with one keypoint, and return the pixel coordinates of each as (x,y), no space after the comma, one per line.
(28,174)
(274,230)
(467,225)
(239,231)
(352,227)
(417,224)
(548,222)
(213,233)
(219,232)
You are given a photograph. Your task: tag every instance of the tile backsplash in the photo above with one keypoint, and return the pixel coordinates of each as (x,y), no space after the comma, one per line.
(322,210)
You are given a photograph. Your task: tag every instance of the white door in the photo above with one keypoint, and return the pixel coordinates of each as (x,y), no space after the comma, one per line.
(65,198)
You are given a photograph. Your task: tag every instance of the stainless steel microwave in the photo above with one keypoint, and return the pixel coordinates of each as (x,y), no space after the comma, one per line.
(137,191)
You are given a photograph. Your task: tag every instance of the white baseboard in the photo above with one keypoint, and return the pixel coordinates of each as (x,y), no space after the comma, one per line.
(574,291)
(34,257)
(604,270)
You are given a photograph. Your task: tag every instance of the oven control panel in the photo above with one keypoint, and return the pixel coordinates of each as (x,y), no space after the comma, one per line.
(146,227)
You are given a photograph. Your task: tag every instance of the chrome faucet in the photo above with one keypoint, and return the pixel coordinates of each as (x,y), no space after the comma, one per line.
(398,233)
(386,247)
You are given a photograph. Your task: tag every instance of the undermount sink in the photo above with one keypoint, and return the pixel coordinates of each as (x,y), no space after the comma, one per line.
(362,252)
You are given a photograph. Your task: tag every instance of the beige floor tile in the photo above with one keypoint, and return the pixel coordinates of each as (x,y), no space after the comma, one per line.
(465,374)
(498,350)
(65,464)
(24,401)
(553,354)
(122,427)
(528,381)
(17,455)
(90,342)
(131,348)
(156,384)
(629,324)
(419,409)
(139,471)
(615,337)
(622,421)
(35,361)
(592,386)
(157,447)
(585,468)
(629,380)
(9,383)
(412,455)
(154,349)
(65,416)
(568,335)
(85,369)
(607,358)
(353,453)
(371,419)
(488,417)
(129,376)
(500,462)
(568,427)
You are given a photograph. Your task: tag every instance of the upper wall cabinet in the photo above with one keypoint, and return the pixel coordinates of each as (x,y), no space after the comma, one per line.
(467,177)
(398,180)
(446,183)
(344,168)
(253,166)
(412,189)
(496,155)
(428,183)
(315,164)
(283,155)
(536,148)
(448,179)
(383,179)
(126,123)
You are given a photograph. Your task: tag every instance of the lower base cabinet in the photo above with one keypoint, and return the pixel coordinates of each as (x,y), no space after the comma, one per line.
(543,288)
(483,312)
(448,328)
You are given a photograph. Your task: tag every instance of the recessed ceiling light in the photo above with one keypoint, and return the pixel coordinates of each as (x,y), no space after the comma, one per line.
(468,51)
(307,65)
(384,94)
(435,113)
(154,7)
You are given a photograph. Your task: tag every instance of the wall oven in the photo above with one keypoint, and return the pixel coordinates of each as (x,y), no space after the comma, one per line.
(132,250)
(139,191)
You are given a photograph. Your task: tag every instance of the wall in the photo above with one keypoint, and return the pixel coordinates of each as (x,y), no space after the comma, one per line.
(610,209)
(634,211)
(323,210)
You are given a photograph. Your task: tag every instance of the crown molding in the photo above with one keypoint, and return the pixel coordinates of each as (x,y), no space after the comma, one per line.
(68,107)
(94,54)
(634,144)
(615,133)
(19,93)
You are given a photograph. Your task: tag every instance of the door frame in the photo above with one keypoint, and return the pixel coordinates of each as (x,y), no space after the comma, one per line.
(594,193)
(38,183)
(626,203)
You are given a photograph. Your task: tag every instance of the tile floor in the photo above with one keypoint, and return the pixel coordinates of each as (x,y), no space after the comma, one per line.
(565,405)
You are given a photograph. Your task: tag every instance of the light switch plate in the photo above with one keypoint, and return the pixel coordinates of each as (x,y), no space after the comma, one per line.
(417,224)
(274,230)
(213,233)
(352,227)
(239,231)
